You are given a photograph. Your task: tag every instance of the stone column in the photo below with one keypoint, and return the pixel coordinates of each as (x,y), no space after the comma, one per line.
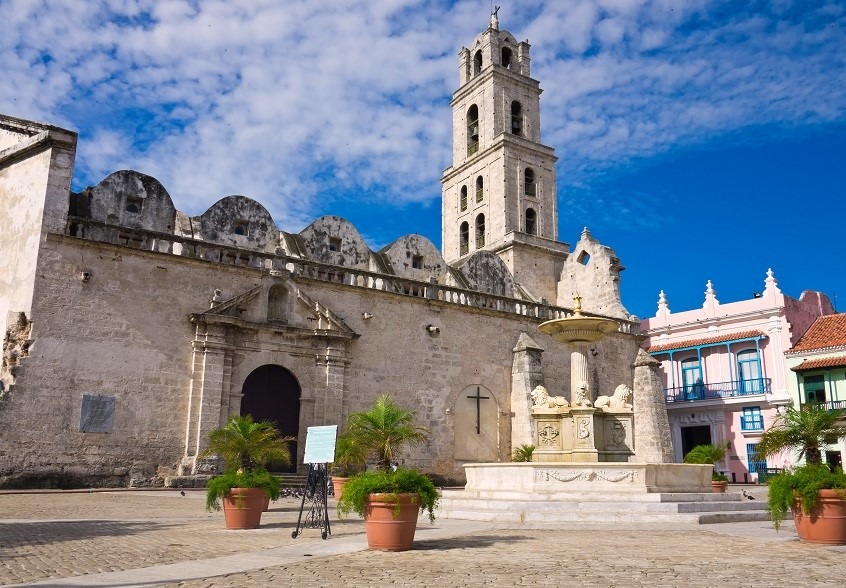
(578,371)
(653,443)
(526,373)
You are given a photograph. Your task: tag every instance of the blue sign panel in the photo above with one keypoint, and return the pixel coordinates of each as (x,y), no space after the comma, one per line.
(320,444)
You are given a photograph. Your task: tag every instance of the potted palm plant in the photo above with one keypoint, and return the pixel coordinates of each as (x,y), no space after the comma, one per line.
(389,498)
(246,447)
(814,494)
(710,454)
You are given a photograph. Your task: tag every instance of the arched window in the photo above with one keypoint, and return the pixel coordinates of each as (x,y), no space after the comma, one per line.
(480,189)
(472,129)
(480,231)
(749,372)
(516,118)
(529,182)
(464,238)
(477,63)
(531,221)
(506,57)
(463,198)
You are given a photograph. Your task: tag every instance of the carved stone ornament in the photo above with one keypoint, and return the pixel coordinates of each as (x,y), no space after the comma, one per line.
(584,429)
(542,399)
(586,475)
(618,434)
(548,435)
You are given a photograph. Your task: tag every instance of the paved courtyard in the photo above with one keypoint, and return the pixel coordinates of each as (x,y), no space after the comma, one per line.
(162,538)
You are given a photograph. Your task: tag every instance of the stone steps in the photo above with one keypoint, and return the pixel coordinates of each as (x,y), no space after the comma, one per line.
(697,508)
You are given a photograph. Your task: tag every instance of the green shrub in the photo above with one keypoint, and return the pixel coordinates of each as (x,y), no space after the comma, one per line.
(401,481)
(523,453)
(219,486)
(804,483)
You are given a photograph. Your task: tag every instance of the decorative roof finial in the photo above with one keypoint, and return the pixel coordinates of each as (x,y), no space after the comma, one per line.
(495,19)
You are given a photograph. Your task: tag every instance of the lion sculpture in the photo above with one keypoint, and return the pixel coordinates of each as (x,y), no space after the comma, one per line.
(542,399)
(622,398)
(583,395)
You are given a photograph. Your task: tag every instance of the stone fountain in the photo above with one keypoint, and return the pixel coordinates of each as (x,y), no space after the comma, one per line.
(603,459)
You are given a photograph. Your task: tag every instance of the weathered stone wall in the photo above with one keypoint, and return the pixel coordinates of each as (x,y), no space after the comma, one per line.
(36,163)
(126,334)
(130,199)
(593,272)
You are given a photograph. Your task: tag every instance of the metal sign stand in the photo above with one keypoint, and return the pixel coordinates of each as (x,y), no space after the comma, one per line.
(316,490)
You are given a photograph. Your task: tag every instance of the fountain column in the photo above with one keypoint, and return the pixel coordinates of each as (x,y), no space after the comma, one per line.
(578,373)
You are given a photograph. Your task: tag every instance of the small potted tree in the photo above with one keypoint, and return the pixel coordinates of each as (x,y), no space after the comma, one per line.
(246,447)
(710,454)
(813,493)
(350,458)
(389,498)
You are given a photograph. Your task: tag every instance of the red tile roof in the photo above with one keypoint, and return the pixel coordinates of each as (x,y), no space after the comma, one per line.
(827,331)
(816,364)
(704,341)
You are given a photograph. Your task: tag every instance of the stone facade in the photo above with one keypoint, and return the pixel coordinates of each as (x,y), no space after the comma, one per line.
(132,329)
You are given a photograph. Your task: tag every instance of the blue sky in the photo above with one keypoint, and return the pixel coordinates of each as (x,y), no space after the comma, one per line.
(699,139)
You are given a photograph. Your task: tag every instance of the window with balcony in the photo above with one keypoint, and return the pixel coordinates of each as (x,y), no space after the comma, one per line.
(751,419)
(691,375)
(749,372)
(814,387)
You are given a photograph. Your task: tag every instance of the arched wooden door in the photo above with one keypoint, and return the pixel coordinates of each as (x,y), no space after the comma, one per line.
(272,393)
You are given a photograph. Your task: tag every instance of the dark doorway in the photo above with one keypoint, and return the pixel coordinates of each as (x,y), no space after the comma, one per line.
(272,393)
(693,436)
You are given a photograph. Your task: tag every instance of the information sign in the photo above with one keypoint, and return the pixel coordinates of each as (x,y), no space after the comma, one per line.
(320,444)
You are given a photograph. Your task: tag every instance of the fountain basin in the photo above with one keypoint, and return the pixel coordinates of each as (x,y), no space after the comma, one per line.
(578,328)
(555,479)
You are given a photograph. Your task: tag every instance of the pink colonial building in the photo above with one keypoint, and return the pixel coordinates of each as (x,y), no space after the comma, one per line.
(724,369)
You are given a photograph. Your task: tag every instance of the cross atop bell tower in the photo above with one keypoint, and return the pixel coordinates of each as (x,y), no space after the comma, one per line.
(499,194)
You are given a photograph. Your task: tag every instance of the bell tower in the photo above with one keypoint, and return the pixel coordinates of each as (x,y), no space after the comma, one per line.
(499,194)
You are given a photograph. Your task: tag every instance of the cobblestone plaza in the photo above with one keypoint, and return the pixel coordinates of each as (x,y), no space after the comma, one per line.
(162,538)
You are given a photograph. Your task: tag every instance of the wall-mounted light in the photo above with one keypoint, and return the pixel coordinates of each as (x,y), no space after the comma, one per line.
(84,275)
(366,316)
(593,351)
(432,329)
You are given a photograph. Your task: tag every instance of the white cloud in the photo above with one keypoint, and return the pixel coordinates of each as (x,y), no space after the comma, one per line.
(296,102)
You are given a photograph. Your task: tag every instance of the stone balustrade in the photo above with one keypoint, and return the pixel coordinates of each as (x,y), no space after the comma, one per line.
(277,261)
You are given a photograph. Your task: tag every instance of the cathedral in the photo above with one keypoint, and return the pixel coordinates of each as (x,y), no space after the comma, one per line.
(130,329)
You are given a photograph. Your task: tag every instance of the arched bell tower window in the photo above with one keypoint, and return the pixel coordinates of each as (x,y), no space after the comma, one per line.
(464,238)
(480,231)
(516,118)
(506,57)
(463,198)
(529,182)
(531,221)
(477,63)
(472,130)
(480,189)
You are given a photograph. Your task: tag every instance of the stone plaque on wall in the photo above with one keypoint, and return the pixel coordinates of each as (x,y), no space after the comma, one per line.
(97,414)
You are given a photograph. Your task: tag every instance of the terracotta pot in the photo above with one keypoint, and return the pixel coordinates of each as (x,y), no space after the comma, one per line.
(387,530)
(826,523)
(719,486)
(242,508)
(266,506)
(338,486)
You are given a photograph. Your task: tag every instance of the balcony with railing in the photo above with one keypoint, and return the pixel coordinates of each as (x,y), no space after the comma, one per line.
(718,390)
(827,405)
(750,424)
